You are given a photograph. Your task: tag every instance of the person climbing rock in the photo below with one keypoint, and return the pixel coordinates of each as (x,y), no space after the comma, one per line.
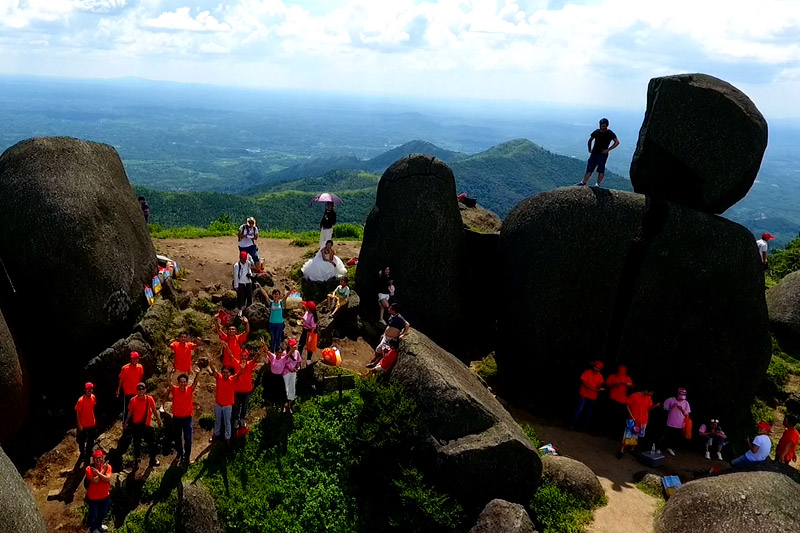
(248,235)
(86,423)
(182,411)
(758,450)
(599,148)
(129,377)
(591,384)
(141,410)
(763,247)
(98,492)
(326,224)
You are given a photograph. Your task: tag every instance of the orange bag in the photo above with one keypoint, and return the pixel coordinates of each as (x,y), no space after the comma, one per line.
(311,341)
(687,428)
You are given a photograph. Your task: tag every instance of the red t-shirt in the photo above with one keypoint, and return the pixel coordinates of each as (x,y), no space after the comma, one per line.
(183,356)
(595,379)
(235,345)
(182,401)
(790,438)
(225,389)
(131,375)
(640,406)
(142,409)
(101,489)
(245,381)
(388,360)
(618,387)
(85,410)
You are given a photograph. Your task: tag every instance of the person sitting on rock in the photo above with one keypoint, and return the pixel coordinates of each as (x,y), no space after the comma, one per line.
(324,265)
(396,329)
(598,154)
(713,435)
(98,492)
(678,410)
(234,341)
(758,449)
(337,300)
(182,349)
(785,452)
(243,283)
(638,406)
(182,411)
(129,377)
(276,322)
(385,291)
(86,423)
(141,410)
(618,384)
(591,384)
(248,235)
(388,358)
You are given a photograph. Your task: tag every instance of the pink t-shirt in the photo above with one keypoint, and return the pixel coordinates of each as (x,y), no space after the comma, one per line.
(675,417)
(292,362)
(308,321)
(277,364)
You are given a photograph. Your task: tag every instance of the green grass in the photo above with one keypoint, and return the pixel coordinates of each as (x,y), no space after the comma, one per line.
(532,436)
(650,491)
(558,511)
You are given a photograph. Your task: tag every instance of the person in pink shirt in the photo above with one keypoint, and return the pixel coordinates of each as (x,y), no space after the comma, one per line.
(293,361)
(678,410)
(274,386)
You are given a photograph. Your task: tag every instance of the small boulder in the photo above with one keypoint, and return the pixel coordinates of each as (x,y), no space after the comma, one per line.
(500,516)
(783,305)
(197,512)
(264,279)
(13,393)
(18,511)
(229,299)
(752,502)
(700,144)
(156,321)
(258,315)
(574,477)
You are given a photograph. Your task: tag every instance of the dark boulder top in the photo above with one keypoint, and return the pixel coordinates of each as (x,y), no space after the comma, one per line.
(783,303)
(18,511)
(500,516)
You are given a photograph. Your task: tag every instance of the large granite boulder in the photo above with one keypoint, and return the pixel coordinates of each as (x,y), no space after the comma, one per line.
(76,248)
(197,512)
(415,228)
(13,393)
(675,294)
(700,144)
(18,512)
(783,304)
(500,516)
(478,451)
(574,477)
(755,502)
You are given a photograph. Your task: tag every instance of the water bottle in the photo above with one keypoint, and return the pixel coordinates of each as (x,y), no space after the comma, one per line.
(653,449)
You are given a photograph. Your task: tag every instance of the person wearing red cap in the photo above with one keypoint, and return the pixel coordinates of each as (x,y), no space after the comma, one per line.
(242,389)
(758,449)
(129,377)
(591,384)
(293,361)
(98,492)
(763,247)
(785,452)
(234,342)
(224,396)
(182,411)
(86,424)
(141,410)
(309,335)
(242,282)
(182,349)
(678,410)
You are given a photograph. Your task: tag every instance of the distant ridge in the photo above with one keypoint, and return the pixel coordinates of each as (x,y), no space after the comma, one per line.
(380,163)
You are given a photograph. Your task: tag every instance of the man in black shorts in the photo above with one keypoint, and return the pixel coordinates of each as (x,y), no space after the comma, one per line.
(603,137)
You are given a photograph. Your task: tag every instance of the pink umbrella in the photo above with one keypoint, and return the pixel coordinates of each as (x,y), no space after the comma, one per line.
(324,198)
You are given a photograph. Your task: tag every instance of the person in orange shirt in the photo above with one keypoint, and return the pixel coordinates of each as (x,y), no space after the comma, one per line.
(98,491)
(183,353)
(223,401)
(86,424)
(233,355)
(591,384)
(785,452)
(182,411)
(130,376)
(141,410)
(243,388)
(638,407)
(618,385)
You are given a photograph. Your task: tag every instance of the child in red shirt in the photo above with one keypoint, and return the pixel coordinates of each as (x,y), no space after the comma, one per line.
(591,384)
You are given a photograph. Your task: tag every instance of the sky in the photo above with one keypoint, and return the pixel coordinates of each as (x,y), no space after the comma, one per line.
(582,53)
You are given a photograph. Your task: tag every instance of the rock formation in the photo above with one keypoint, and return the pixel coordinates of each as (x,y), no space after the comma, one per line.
(574,477)
(13,393)
(197,512)
(783,303)
(701,143)
(18,511)
(500,516)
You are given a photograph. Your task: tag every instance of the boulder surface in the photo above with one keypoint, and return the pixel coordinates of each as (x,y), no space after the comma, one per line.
(700,144)
(197,512)
(18,511)
(574,477)
(13,394)
(500,516)
(783,304)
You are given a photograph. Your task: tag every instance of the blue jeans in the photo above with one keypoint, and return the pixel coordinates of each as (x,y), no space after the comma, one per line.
(222,415)
(586,406)
(742,460)
(182,426)
(253,251)
(97,512)
(276,336)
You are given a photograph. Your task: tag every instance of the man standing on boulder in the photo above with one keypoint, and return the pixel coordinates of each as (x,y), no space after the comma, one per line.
(763,246)
(598,154)
(130,376)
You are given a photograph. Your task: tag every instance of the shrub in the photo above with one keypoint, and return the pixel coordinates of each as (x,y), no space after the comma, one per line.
(302,242)
(759,410)
(348,231)
(783,262)
(206,421)
(195,324)
(204,306)
(558,511)
(487,368)
(532,436)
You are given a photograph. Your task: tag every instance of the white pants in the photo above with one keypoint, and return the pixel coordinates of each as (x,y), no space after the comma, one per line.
(290,380)
(325,235)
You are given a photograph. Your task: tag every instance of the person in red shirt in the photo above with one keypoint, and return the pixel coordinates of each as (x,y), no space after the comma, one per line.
(223,400)
(638,407)
(182,411)
(183,352)
(618,385)
(98,491)
(785,452)
(388,358)
(591,384)
(233,354)
(141,410)
(86,424)
(129,377)
(242,388)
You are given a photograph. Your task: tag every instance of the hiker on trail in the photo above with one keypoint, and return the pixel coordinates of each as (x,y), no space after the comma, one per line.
(785,452)
(678,410)
(224,397)
(310,334)
(98,491)
(141,410)
(276,323)
(396,329)
(248,235)
(639,405)
(713,435)
(618,384)
(758,449)
(243,283)
(234,341)
(385,291)
(326,224)
(274,384)
(129,377)
(182,411)
(601,138)
(242,389)
(387,360)
(86,423)
(591,384)
(182,349)
(145,208)
(763,246)
(337,300)
(294,360)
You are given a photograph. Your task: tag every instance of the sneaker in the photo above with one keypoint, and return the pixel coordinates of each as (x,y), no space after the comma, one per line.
(580,184)
(671,452)
(719,456)
(708,455)
(104,528)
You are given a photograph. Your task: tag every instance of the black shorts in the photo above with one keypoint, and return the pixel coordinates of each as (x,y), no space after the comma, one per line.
(597,161)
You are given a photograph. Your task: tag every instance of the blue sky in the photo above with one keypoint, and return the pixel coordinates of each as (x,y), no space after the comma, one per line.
(596,53)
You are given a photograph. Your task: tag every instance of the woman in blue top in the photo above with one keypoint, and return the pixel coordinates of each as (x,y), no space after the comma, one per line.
(276,325)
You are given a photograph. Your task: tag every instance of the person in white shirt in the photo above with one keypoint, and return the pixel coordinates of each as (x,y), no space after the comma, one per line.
(759,448)
(248,235)
(242,283)
(762,247)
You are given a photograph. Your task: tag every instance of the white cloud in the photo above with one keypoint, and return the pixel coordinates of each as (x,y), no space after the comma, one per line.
(181,20)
